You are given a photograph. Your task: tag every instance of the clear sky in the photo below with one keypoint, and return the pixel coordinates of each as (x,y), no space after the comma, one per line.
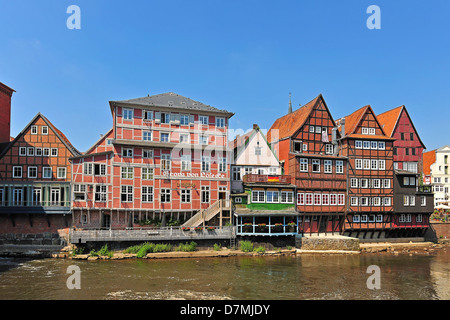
(241,55)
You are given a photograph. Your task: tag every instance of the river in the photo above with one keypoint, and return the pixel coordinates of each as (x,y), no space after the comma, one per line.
(302,277)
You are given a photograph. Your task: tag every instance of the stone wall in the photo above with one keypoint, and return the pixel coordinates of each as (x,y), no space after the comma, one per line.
(438,231)
(327,243)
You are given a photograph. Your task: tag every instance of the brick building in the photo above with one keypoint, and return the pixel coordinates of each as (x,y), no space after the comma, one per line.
(306,142)
(165,160)
(5,115)
(35,175)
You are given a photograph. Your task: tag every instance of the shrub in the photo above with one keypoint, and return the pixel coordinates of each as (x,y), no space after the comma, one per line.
(246,246)
(260,249)
(186,247)
(144,249)
(217,247)
(133,249)
(104,251)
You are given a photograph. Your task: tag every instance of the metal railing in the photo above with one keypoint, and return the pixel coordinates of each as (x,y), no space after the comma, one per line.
(152,234)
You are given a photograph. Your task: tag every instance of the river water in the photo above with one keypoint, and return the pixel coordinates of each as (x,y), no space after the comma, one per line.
(420,276)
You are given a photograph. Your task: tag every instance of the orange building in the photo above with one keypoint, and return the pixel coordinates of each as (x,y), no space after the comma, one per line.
(35,175)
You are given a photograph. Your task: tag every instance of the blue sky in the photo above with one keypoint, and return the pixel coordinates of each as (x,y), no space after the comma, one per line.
(244,56)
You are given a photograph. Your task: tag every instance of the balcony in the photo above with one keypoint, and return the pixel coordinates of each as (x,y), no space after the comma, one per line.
(263,178)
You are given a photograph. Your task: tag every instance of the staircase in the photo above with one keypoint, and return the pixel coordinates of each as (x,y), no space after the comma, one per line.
(205,215)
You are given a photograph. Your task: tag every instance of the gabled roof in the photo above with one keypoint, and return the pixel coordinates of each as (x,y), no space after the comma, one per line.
(428,159)
(6,89)
(289,124)
(240,143)
(353,121)
(172,100)
(57,132)
(390,118)
(103,137)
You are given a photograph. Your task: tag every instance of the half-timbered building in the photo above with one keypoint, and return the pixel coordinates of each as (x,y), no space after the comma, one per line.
(35,175)
(306,142)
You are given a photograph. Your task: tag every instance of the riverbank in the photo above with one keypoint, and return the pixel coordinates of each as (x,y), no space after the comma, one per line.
(365,248)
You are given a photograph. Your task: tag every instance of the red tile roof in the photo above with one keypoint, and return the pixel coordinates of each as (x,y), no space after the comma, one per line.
(428,159)
(353,120)
(389,119)
(290,123)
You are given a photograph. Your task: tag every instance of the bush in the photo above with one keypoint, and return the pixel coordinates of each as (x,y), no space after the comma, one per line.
(144,249)
(187,247)
(104,251)
(246,246)
(260,249)
(217,247)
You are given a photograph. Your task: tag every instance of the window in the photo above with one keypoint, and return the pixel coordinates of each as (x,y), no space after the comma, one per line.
(318,129)
(329,149)
(366,164)
(358,163)
(354,201)
(36,197)
(206,163)
(17,196)
(87,168)
(411,136)
(333,199)
(354,183)
(304,165)
(327,167)
(412,200)
(372,131)
(366,144)
(61,173)
(419,218)
(55,194)
(165,162)
(127,152)
(308,199)
(165,137)
(386,201)
(364,201)
(377,201)
(402,136)
(100,193)
(147,173)
(374,164)
(365,130)
(317,199)
(358,144)
(364,183)
(423,201)
(405,201)
(300,198)
(184,119)
(147,154)
(258,196)
(79,192)
(379,218)
(339,166)
(184,137)
(34,129)
(46,152)
(147,115)
(357,218)
(406,181)
(364,218)
(376,183)
(32,172)
(203,120)
(407,151)
(17,172)
(185,196)
(47,173)
(205,194)
(147,194)
(238,200)
(54,152)
(203,140)
(39,152)
(386,183)
(22,151)
(185,162)
(272,196)
(220,122)
(305,147)
(126,194)
(381,145)
(373,145)
(127,114)
(30,151)
(311,129)
(287,197)
(223,164)
(325,199)
(297,146)
(412,181)
(315,165)
(147,136)
(44,130)
(236,174)
(127,172)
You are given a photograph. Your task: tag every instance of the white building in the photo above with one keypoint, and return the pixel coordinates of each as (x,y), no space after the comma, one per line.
(252,155)
(439,175)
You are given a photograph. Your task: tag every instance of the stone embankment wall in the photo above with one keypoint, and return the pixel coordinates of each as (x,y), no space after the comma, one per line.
(328,243)
(438,232)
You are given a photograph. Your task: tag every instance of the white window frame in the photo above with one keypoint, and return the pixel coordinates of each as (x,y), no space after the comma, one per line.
(58,172)
(220,122)
(34,129)
(258,194)
(147,194)
(22,151)
(46,171)
(44,130)
(127,114)
(304,165)
(19,171)
(29,175)
(147,135)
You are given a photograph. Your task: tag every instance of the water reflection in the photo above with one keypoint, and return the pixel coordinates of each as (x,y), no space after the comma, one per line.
(269,278)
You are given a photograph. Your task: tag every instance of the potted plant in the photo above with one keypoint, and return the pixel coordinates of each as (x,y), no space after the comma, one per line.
(210,228)
(185,228)
(198,228)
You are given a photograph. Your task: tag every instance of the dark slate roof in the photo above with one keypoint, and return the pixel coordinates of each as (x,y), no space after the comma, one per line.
(172,100)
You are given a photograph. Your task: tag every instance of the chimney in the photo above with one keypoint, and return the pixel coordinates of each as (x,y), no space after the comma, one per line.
(5,112)
(290,104)
(343,127)
(255,126)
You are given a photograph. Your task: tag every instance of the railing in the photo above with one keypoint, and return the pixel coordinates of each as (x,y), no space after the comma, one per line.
(425,189)
(266,178)
(149,234)
(208,213)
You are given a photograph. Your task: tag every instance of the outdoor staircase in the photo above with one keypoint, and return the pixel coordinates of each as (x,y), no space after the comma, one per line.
(204,215)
